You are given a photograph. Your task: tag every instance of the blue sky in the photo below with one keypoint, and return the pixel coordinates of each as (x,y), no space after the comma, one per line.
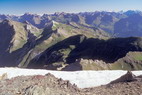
(72,6)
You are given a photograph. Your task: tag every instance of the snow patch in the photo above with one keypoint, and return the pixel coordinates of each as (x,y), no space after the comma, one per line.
(83,79)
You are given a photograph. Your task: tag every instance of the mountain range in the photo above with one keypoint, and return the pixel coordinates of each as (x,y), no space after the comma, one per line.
(64,41)
(118,24)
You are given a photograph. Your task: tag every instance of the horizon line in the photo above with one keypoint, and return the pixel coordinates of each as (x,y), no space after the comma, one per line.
(41,14)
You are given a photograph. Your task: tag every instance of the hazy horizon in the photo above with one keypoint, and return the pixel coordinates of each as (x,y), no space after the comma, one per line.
(65,12)
(18,7)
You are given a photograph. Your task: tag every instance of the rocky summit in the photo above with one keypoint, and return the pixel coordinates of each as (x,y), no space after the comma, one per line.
(50,85)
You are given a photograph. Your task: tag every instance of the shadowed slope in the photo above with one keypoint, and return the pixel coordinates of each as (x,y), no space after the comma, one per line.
(76,47)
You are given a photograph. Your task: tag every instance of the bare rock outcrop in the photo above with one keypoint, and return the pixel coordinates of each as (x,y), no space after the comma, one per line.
(127,84)
(38,85)
(128,77)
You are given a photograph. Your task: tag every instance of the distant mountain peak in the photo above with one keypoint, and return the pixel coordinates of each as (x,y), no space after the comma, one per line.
(30,14)
(60,13)
(131,12)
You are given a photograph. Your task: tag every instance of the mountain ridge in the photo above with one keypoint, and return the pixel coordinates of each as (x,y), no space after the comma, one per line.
(27,41)
(107,21)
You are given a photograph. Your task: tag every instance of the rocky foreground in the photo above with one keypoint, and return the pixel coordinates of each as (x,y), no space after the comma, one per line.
(127,84)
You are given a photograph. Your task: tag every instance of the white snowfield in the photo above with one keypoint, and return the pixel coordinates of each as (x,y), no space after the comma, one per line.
(83,79)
